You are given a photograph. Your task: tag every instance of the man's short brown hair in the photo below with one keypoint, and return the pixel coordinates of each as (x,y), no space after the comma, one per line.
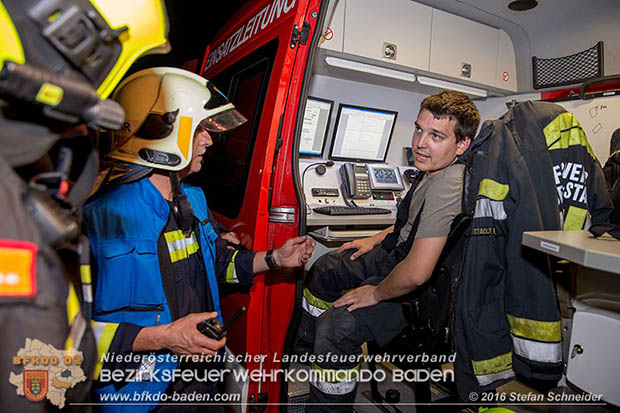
(455,105)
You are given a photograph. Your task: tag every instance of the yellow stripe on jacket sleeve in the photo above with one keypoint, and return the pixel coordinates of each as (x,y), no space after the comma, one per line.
(104,334)
(231,271)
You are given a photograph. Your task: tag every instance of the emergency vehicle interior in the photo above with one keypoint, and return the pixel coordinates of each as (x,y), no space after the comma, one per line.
(370,69)
(370,75)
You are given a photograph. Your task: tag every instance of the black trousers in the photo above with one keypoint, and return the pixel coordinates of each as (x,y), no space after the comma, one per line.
(340,333)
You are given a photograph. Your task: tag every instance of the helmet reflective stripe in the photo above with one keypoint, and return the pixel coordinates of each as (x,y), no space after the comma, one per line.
(184,137)
(156,93)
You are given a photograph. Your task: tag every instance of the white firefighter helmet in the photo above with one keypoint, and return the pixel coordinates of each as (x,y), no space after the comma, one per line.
(164,106)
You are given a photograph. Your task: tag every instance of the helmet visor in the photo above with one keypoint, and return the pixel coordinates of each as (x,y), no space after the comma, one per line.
(223,121)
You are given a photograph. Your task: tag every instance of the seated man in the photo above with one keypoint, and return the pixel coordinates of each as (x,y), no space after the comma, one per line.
(392,263)
(157,254)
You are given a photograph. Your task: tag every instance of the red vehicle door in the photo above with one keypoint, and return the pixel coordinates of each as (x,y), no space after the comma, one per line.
(259,60)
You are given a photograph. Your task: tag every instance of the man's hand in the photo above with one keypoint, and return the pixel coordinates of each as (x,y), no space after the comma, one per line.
(362,246)
(230,237)
(361,297)
(295,252)
(182,336)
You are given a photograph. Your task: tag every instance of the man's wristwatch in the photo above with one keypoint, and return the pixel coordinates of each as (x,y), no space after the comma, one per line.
(271,262)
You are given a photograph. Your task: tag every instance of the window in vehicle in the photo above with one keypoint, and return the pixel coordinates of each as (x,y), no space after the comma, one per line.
(226,165)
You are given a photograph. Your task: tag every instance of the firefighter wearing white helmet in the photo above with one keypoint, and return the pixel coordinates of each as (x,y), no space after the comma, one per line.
(157,250)
(59,61)
(164,106)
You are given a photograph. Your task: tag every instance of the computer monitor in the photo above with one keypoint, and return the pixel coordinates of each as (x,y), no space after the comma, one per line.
(362,134)
(314,128)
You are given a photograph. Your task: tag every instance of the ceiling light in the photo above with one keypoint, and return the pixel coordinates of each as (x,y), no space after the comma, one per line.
(366,68)
(522,5)
(468,90)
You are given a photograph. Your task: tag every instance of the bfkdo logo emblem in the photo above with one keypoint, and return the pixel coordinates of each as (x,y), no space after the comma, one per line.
(36,384)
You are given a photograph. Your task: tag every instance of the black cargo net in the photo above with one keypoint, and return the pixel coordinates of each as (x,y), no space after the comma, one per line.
(568,70)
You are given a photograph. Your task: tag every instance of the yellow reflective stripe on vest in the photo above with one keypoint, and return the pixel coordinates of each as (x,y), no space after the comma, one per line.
(575,218)
(179,246)
(174,236)
(565,131)
(231,272)
(104,334)
(492,366)
(493,189)
(549,331)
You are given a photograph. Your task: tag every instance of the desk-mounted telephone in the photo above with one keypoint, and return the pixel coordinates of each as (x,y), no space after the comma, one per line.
(355,181)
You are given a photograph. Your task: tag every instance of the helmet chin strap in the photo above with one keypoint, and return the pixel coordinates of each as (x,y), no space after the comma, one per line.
(181,208)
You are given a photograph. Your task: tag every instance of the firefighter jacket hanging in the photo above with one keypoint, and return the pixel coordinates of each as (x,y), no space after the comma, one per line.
(531,170)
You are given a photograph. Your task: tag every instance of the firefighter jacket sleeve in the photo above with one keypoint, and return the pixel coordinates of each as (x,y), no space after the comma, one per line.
(114,344)
(233,263)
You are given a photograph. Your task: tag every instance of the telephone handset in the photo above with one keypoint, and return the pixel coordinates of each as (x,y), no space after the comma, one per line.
(355,181)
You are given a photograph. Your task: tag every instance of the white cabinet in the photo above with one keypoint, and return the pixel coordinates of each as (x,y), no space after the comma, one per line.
(371,25)
(463,49)
(420,37)
(333,34)
(506,77)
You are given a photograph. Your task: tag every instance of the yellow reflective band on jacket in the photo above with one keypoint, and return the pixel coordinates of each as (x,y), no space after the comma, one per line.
(74,320)
(231,273)
(179,246)
(85,274)
(87,288)
(73,305)
(565,131)
(335,376)
(548,331)
(494,365)
(104,334)
(314,305)
(575,218)
(493,189)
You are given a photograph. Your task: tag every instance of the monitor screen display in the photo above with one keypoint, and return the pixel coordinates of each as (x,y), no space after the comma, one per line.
(362,134)
(314,128)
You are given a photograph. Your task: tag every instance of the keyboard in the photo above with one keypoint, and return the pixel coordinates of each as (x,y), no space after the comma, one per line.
(341,210)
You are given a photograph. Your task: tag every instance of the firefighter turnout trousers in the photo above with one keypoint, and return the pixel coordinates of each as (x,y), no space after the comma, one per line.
(337,333)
